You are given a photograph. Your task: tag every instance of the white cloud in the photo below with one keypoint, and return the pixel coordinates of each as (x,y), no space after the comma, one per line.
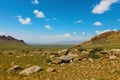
(47,19)
(55,19)
(35,2)
(48,27)
(1,33)
(39,14)
(103,6)
(83,33)
(97,23)
(74,33)
(78,21)
(25,21)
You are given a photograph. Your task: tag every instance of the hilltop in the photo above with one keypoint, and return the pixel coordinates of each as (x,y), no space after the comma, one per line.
(11,42)
(110,39)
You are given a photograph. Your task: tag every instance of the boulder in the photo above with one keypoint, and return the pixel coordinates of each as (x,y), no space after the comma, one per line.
(50,69)
(66,59)
(15,68)
(30,70)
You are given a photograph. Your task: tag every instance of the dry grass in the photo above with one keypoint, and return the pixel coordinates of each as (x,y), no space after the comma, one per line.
(101,69)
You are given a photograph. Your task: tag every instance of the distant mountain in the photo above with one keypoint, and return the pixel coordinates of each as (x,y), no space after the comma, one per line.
(10,42)
(68,42)
(109,39)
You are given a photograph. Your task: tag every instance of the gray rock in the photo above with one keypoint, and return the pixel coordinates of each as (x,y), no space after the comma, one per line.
(30,70)
(15,68)
(66,59)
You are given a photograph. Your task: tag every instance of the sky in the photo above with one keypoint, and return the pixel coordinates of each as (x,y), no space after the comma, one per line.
(49,21)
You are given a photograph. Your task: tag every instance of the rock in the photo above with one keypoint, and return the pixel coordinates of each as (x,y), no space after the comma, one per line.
(52,56)
(91,60)
(30,70)
(112,57)
(63,52)
(66,59)
(13,63)
(50,69)
(56,60)
(15,68)
(73,55)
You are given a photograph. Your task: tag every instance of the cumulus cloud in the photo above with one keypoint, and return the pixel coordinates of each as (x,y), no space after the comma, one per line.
(78,21)
(107,30)
(74,33)
(35,2)
(1,33)
(48,27)
(83,33)
(25,21)
(103,6)
(39,14)
(97,23)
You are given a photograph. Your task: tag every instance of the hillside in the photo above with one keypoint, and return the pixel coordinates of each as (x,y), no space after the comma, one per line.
(109,39)
(10,42)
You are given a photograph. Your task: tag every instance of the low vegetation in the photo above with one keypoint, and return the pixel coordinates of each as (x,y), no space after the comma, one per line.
(93,60)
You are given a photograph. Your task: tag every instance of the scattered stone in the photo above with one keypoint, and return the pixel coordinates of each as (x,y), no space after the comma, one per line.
(13,63)
(66,59)
(30,70)
(63,52)
(91,60)
(112,57)
(52,56)
(56,60)
(50,69)
(15,68)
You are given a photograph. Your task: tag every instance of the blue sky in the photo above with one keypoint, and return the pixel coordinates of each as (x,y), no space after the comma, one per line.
(48,21)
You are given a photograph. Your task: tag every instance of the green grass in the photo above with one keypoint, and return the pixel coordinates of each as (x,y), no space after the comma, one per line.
(4,44)
(53,46)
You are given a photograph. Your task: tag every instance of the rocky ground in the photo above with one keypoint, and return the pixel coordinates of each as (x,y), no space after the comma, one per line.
(60,64)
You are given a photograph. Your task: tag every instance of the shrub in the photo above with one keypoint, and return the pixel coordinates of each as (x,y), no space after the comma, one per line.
(48,60)
(97,49)
(81,49)
(94,55)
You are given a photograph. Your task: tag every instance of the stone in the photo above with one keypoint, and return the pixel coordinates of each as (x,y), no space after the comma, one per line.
(66,59)
(91,60)
(56,60)
(30,70)
(63,52)
(15,68)
(112,57)
(50,69)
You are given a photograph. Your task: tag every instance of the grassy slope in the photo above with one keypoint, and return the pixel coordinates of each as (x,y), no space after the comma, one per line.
(105,40)
(11,44)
